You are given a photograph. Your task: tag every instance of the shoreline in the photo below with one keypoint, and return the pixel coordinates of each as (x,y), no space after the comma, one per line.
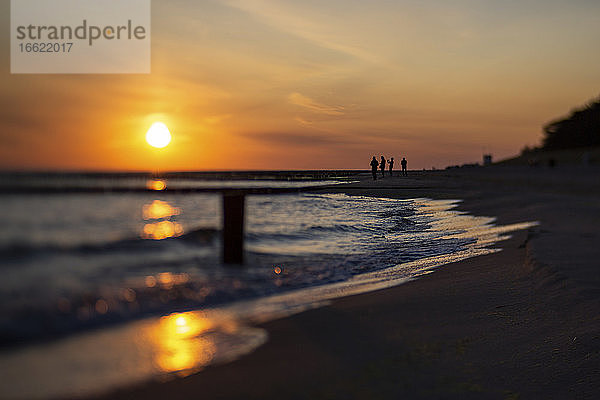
(530,322)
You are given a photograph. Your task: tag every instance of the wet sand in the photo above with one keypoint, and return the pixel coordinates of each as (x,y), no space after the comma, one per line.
(522,323)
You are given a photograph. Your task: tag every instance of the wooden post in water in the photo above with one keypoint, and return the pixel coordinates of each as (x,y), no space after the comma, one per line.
(233,228)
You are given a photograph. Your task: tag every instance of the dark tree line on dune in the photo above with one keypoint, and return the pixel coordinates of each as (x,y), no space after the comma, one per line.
(580,129)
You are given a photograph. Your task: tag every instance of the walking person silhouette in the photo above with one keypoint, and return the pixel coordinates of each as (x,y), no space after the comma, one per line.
(391,165)
(374,165)
(404,162)
(382,166)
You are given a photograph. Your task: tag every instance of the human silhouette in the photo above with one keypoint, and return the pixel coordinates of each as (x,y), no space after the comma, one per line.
(382,166)
(403,162)
(374,165)
(391,165)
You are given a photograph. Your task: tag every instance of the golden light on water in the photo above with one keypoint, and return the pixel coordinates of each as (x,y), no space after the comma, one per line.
(158,135)
(150,281)
(101,306)
(156,184)
(180,345)
(162,230)
(159,209)
(166,280)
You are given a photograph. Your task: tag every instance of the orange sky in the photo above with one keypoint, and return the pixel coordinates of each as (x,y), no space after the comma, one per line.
(313,84)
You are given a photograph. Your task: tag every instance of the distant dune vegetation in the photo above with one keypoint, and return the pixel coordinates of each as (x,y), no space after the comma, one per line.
(580,129)
(574,139)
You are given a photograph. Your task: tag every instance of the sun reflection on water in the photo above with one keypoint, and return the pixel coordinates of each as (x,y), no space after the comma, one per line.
(161,212)
(166,280)
(162,230)
(156,184)
(159,209)
(180,345)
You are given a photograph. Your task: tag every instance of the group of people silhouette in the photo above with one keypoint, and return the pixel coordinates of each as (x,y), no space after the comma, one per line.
(381,164)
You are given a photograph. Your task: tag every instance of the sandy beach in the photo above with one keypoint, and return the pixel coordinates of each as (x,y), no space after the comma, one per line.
(523,323)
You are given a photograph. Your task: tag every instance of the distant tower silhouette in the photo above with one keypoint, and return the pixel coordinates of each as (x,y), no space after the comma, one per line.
(487,159)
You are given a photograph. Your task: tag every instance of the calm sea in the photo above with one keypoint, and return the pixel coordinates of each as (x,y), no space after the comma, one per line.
(107,287)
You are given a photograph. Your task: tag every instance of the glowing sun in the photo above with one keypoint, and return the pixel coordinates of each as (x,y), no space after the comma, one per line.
(158,135)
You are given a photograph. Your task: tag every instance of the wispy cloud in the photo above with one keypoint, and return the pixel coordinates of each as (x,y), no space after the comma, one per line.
(303,121)
(306,102)
(216,119)
(304,139)
(276,15)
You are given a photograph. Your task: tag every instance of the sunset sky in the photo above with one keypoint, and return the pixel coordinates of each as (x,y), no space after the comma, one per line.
(311,84)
